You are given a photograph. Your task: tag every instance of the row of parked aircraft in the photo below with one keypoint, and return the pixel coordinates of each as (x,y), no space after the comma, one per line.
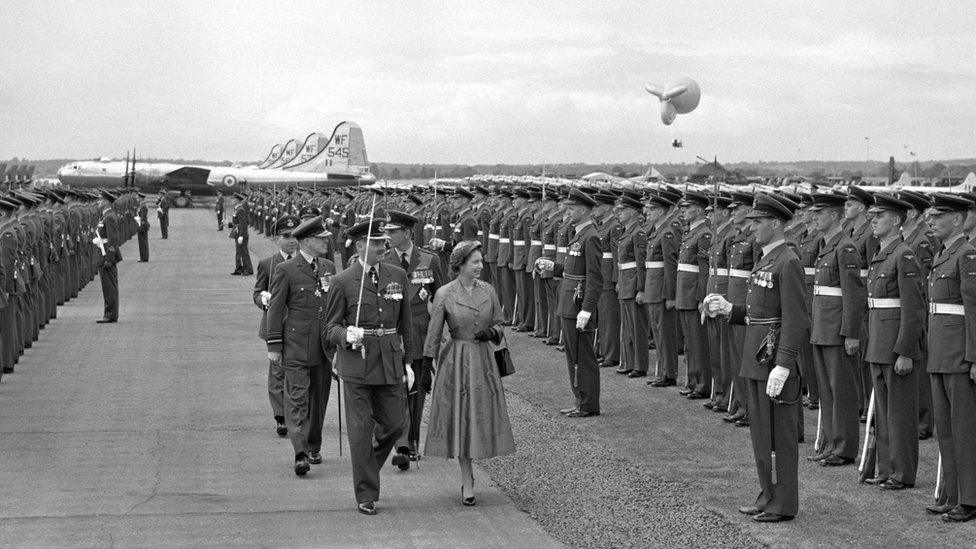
(317,160)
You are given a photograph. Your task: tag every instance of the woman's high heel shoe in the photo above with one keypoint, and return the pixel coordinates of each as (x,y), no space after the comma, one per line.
(467,502)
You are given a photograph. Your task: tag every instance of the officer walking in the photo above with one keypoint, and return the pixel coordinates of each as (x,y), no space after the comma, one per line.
(287,248)
(366,313)
(300,287)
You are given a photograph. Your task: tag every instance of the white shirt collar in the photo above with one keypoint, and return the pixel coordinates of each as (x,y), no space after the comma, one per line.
(949,241)
(694,225)
(772,246)
(284,255)
(307,257)
(583,225)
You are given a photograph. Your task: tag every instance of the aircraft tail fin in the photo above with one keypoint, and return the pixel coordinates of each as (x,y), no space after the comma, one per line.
(29,173)
(313,144)
(968,184)
(345,153)
(288,152)
(272,157)
(904,181)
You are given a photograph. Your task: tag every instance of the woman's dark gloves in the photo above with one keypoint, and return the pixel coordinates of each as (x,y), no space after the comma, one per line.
(490,334)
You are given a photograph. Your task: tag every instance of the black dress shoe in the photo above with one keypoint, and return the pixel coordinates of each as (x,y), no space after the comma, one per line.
(751,510)
(314,457)
(581,413)
(892,484)
(281,429)
(924,436)
(609,364)
(771,517)
(697,396)
(960,513)
(235,273)
(664,382)
(835,461)
(301,465)
(366,508)
(874,481)
(565,411)
(742,422)
(719,409)
(708,405)
(561,348)
(106,321)
(685,392)
(247,273)
(540,335)
(402,461)
(732,418)
(936,509)
(623,372)
(822,456)
(635,374)
(552,341)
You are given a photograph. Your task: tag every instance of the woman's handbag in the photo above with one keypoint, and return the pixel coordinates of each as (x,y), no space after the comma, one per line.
(503,359)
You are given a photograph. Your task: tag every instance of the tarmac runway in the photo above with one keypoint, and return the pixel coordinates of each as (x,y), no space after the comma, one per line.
(157,431)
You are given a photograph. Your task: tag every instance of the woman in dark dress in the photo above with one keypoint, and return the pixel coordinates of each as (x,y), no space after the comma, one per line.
(468,415)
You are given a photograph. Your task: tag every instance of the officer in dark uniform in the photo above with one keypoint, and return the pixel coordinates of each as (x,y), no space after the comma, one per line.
(660,266)
(424,272)
(608,328)
(741,252)
(287,248)
(239,223)
(366,313)
(219,210)
(691,289)
(859,229)
(582,282)
(776,323)
(838,294)
(895,316)
(110,238)
(162,213)
(142,230)
(631,269)
(300,288)
(952,357)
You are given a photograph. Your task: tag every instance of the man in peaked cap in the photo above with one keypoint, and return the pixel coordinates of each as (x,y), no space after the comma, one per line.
(859,229)
(287,248)
(163,204)
(895,315)
(300,287)
(239,233)
(426,276)
(836,332)
(740,257)
(109,236)
(952,354)
(372,358)
(776,322)
(142,228)
(582,283)
(608,314)
(660,268)
(631,276)
(692,282)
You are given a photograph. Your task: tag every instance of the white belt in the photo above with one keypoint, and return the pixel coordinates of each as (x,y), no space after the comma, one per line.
(947,309)
(481,233)
(739,273)
(864,273)
(688,268)
(884,303)
(827,290)
(504,240)
(627,266)
(549,247)
(719,271)
(809,271)
(426,227)
(653,264)
(561,249)
(536,242)
(492,237)
(518,242)
(607,255)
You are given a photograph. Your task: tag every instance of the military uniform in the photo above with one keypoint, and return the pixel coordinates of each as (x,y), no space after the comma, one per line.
(110,233)
(631,278)
(721,363)
(741,254)
(373,386)
(162,213)
(219,210)
(660,277)
(608,329)
(239,224)
(692,282)
(143,233)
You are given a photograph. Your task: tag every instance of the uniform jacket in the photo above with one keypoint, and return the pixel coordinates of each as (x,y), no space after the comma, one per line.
(718,260)
(297,308)
(143,219)
(631,261)
(836,318)
(582,275)
(381,308)
(741,254)
(952,337)
(775,291)
(661,263)
(610,232)
(693,267)
(552,228)
(426,276)
(239,222)
(109,229)
(466,227)
(894,274)
(266,268)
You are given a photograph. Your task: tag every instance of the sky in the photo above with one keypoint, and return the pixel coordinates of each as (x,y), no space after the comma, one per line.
(489,82)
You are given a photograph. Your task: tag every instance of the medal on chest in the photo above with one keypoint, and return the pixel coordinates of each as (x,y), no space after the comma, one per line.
(763,279)
(393,292)
(574,249)
(422,276)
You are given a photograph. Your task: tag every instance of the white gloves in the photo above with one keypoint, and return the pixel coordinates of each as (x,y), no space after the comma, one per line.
(777,378)
(582,318)
(409,377)
(138,220)
(714,305)
(265,298)
(354,335)
(544,264)
(437,243)
(240,240)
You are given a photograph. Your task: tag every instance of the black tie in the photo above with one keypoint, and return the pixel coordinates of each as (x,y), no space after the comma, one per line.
(372,276)
(405,262)
(315,266)
(289,257)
